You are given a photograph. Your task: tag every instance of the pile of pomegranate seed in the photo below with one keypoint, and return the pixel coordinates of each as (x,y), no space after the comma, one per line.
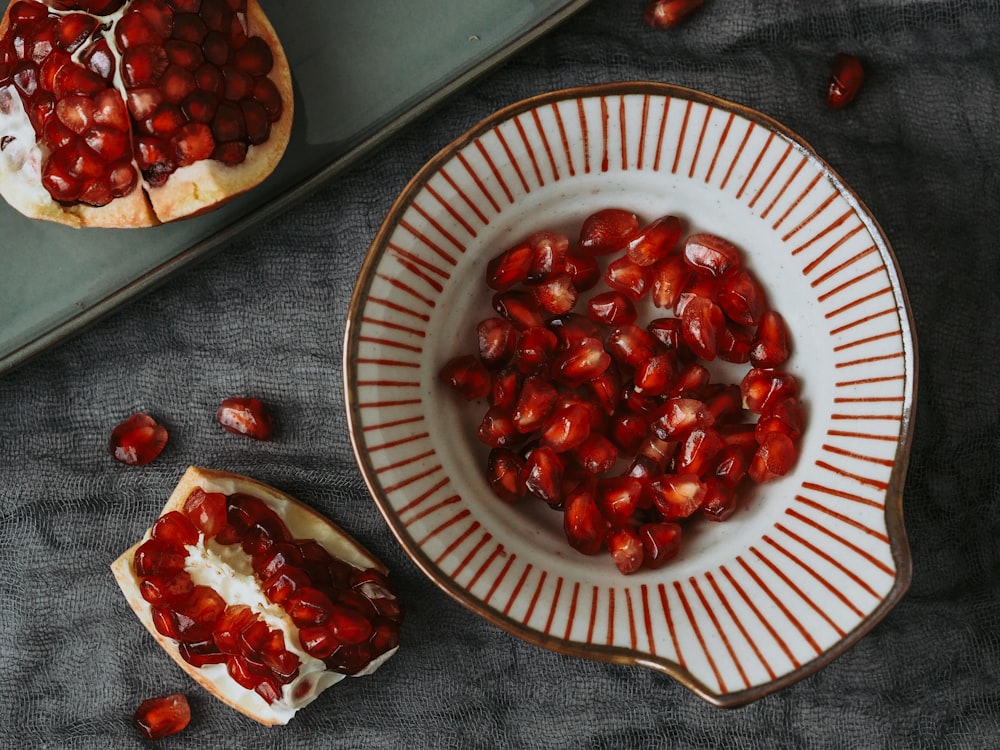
(195,87)
(160,717)
(617,424)
(345,616)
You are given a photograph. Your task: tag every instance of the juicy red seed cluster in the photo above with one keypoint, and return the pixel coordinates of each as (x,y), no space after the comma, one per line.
(617,424)
(353,610)
(196,87)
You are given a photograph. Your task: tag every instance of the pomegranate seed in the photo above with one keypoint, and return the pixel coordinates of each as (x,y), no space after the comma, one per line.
(254,57)
(691,381)
(286,553)
(309,607)
(231,623)
(175,529)
(267,95)
(536,401)
(548,255)
(497,428)
(607,231)
(774,458)
(534,349)
(668,278)
(677,495)
(770,346)
(138,440)
(467,375)
(784,415)
(583,523)
(166,590)
(572,328)
(349,627)
(667,14)
(846,76)
(656,375)
(504,471)
(73,30)
(612,308)
(580,362)
(720,500)
(631,345)
(245,416)
(280,587)
(626,549)
(698,451)
(761,388)
(628,431)
(628,277)
(566,427)
(710,253)
(679,416)
(661,542)
(701,324)
(607,389)
(596,454)
(318,641)
(505,388)
(156,558)
(731,464)
(144,65)
(201,653)
(557,295)
(617,498)
(160,717)
(734,344)
(542,474)
(186,55)
(668,332)
(583,270)
(177,84)
(99,60)
(110,144)
(519,307)
(741,297)
(654,241)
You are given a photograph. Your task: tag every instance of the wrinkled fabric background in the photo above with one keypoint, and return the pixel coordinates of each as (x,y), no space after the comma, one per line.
(265,315)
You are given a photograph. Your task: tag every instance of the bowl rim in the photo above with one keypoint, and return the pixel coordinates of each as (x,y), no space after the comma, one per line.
(894,516)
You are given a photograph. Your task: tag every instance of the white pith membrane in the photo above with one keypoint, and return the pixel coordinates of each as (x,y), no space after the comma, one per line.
(203,185)
(227,569)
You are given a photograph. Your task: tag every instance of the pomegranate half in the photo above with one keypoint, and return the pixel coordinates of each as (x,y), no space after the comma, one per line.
(260,599)
(131,113)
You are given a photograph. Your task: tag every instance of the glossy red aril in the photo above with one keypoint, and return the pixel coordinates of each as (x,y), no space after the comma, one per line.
(153,56)
(666,14)
(608,231)
(771,344)
(467,375)
(138,440)
(581,396)
(160,717)
(654,241)
(245,416)
(846,76)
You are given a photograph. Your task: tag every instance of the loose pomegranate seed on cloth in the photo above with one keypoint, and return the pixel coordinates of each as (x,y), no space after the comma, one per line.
(161,717)
(138,440)
(573,398)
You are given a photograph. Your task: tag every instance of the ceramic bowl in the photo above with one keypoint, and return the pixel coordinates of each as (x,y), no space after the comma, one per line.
(813,560)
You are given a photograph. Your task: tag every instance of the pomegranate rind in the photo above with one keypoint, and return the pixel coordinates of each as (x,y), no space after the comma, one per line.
(190,191)
(302,521)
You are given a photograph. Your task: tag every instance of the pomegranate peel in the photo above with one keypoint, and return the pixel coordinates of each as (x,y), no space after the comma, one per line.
(306,676)
(198,184)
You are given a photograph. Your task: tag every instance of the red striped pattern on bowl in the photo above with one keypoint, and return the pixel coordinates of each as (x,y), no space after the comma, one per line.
(812,561)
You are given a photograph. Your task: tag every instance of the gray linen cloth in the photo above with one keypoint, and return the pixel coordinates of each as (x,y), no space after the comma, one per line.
(265,317)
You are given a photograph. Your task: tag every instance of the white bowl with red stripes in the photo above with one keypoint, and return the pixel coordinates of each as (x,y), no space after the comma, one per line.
(814,560)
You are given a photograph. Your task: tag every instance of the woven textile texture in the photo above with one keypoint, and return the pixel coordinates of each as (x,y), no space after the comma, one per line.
(265,315)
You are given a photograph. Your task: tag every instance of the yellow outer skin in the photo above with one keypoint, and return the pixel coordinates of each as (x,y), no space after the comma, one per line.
(190,190)
(303,522)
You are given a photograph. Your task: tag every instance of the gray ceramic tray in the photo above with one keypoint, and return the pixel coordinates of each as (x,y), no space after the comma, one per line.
(362,70)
